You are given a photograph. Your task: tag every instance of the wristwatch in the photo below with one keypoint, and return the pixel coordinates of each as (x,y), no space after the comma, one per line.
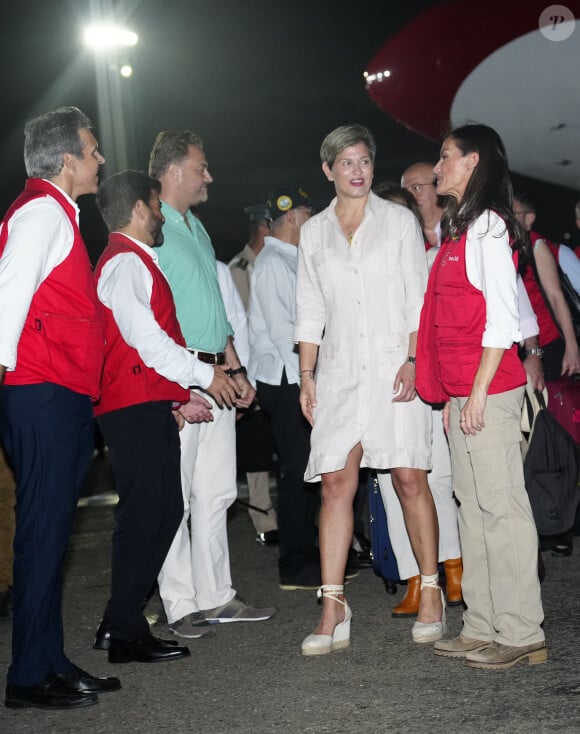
(535,352)
(412,360)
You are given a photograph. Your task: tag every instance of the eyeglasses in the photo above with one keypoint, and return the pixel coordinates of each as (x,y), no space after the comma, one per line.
(416,188)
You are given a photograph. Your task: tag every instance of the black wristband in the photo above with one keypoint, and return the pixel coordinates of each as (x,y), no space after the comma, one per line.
(238,371)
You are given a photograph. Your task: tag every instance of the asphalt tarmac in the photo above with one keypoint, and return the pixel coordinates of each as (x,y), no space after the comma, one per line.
(252,679)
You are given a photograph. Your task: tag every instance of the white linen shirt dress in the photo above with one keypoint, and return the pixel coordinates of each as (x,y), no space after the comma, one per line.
(359,303)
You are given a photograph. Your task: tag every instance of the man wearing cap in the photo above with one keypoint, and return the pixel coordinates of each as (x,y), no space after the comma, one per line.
(274,367)
(261,510)
(196,574)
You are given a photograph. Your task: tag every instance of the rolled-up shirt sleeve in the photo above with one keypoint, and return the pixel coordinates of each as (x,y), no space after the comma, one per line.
(490,268)
(310,312)
(528,321)
(125,287)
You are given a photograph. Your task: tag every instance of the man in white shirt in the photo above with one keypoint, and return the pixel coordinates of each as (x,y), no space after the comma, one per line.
(51,356)
(273,366)
(261,511)
(147,372)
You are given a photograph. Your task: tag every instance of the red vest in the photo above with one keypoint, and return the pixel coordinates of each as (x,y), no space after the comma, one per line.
(546,324)
(449,341)
(62,340)
(126,378)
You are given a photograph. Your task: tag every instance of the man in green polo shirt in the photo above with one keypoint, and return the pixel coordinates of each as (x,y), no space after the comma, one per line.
(195,582)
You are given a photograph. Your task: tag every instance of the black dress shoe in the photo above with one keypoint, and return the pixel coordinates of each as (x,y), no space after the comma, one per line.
(82,681)
(144,650)
(561,544)
(103,638)
(270,537)
(50,693)
(360,559)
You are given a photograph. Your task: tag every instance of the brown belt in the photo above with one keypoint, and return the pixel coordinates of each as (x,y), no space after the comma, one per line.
(209,357)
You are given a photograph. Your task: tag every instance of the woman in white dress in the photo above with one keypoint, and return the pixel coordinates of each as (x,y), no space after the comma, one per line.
(362,274)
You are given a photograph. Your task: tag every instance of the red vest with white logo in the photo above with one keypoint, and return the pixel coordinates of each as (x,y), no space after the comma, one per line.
(126,378)
(452,324)
(62,340)
(546,324)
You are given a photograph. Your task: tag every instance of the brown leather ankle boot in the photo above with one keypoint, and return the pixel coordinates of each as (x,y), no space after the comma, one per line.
(409,604)
(453,572)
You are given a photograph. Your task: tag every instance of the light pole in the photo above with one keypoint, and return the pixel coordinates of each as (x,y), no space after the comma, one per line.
(109,43)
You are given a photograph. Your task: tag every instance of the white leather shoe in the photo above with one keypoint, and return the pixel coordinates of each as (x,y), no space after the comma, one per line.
(323,644)
(430,631)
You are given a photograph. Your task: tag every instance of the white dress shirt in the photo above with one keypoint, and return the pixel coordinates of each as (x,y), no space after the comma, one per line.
(40,237)
(272,314)
(235,311)
(367,297)
(125,286)
(489,266)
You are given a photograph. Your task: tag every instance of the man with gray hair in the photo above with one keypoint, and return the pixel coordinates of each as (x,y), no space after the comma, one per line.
(195,582)
(51,357)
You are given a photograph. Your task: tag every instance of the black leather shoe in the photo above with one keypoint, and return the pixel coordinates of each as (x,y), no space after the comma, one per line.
(82,681)
(270,537)
(360,559)
(50,693)
(560,545)
(103,638)
(145,650)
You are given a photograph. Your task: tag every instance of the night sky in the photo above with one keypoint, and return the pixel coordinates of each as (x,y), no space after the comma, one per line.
(261,82)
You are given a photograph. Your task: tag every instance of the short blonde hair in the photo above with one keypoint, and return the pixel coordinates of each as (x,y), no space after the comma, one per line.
(343,137)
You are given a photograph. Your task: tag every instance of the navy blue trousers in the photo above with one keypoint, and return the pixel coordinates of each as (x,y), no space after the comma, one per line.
(47,430)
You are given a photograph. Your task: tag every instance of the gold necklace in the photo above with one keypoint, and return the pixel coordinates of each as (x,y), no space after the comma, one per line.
(349,233)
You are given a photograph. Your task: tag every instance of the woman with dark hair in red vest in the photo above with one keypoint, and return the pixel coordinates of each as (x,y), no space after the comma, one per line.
(467,357)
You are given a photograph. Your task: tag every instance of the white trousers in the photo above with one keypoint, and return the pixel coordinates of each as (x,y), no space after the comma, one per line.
(442,491)
(196,573)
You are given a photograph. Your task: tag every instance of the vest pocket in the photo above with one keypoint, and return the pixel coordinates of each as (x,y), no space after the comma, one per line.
(74,345)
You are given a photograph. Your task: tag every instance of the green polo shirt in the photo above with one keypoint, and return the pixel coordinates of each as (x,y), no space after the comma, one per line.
(187,259)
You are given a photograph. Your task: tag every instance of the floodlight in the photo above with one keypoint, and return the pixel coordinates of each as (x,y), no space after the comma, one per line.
(108,36)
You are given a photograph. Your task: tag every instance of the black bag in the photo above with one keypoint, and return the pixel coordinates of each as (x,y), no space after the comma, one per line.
(384,561)
(551,470)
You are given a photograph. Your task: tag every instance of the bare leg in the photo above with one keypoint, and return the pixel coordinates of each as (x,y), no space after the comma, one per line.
(335,533)
(421,520)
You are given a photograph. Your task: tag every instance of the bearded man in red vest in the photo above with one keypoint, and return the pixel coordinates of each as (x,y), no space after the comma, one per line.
(147,374)
(51,357)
